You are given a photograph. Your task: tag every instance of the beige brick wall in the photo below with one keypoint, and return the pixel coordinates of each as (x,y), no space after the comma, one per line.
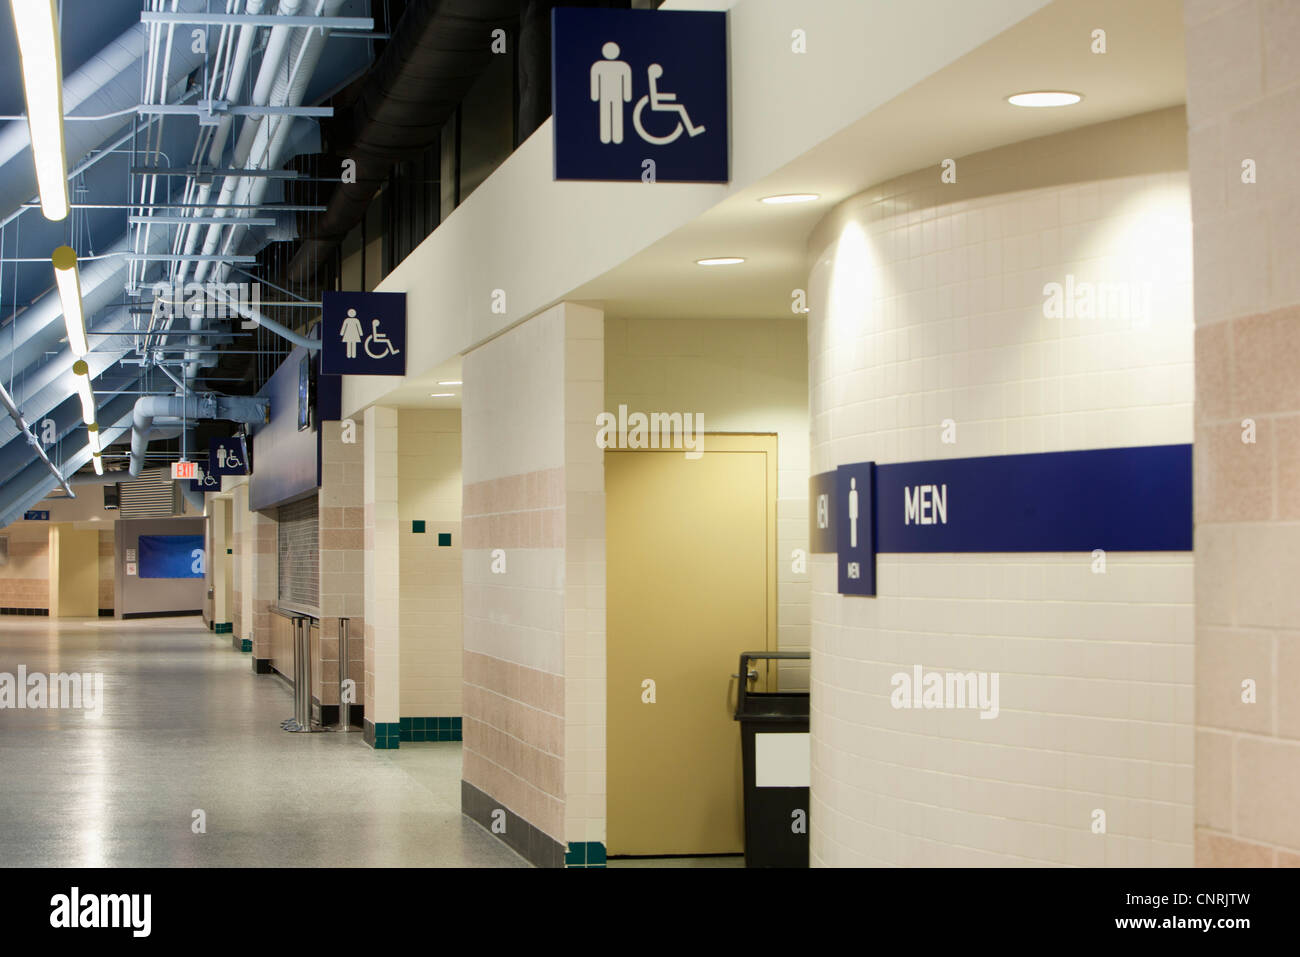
(1243,100)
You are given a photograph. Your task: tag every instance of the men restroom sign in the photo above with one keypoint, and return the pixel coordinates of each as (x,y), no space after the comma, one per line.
(1124,500)
(363,333)
(639,95)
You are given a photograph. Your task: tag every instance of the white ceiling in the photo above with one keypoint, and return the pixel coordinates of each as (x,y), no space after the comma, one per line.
(958,111)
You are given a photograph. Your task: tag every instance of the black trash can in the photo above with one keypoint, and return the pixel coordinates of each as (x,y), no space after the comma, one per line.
(776,803)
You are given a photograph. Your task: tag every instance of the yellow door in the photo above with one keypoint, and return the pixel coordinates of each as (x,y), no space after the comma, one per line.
(691,583)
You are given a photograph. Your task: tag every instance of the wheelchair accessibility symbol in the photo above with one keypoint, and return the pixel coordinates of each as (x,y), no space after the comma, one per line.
(228,459)
(611,88)
(377,345)
(209,480)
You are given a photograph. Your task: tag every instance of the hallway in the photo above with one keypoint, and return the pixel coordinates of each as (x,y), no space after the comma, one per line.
(185,726)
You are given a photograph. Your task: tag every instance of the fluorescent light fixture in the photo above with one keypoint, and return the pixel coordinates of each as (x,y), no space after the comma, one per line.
(93,430)
(68,280)
(787,198)
(720,261)
(99,464)
(1043,98)
(452,382)
(84,390)
(441,395)
(37,26)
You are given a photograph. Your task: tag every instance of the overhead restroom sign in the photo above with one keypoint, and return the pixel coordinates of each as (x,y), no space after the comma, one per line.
(206,482)
(363,333)
(227,456)
(639,95)
(1124,500)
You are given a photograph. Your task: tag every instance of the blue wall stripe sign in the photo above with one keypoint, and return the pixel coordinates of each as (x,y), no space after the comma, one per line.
(1126,499)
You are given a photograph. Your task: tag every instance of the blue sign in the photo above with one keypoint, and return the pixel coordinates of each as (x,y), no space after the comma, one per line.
(227,456)
(363,333)
(206,482)
(36,516)
(1124,500)
(629,86)
(854,529)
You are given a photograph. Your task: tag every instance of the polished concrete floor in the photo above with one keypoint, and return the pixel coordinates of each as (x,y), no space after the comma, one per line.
(187,726)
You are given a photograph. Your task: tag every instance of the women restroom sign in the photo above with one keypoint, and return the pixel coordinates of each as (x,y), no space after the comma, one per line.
(363,333)
(639,95)
(1126,499)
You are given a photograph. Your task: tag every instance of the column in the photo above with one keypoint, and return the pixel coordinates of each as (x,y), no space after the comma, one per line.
(382,610)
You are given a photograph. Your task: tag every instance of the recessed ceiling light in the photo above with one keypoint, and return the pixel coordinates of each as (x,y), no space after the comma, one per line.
(451,382)
(1041,98)
(789,198)
(441,395)
(720,261)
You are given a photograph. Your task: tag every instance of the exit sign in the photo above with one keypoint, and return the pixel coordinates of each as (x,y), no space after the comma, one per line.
(185,470)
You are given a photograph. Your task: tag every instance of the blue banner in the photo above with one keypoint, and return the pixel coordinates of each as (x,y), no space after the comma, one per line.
(171,556)
(639,95)
(362,333)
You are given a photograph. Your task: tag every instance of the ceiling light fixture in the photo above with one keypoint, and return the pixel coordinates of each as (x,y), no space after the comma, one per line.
(441,395)
(787,198)
(37,27)
(99,463)
(68,280)
(82,371)
(1044,98)
(451,382)
(720,261)
(93,430)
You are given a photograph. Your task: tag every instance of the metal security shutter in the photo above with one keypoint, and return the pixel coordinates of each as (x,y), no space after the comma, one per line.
(152,495)
(298,561)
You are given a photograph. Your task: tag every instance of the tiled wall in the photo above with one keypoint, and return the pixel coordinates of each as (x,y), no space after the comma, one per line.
(1243,101)
(381,566)
(534,666)
(927,304)
(743,376)
(240,569)
(342,559)
(260,552)
(429,536)
(25,581)
(106,567)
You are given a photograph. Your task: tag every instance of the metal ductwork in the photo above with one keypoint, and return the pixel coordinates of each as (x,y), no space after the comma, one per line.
(249,410)
(439,48)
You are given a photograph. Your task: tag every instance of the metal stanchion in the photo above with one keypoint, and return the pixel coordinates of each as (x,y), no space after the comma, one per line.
(301,720)
(345,706)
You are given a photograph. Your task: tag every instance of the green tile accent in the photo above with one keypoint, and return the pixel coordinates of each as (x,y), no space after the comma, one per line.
(444,539)
(388,736)
(585,854)
(430,729)
(223,627)
(417,526)
(246,644)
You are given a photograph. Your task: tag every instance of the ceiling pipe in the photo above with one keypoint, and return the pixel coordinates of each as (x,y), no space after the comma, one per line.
(249,410)
(23,428)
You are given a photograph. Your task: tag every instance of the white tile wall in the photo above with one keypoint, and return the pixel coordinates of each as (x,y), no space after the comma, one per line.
(922,312)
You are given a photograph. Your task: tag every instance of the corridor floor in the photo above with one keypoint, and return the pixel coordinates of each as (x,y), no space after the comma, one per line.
(186,726)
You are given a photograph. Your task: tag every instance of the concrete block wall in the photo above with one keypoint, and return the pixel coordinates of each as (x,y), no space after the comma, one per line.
(534,629)
(1243,108)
